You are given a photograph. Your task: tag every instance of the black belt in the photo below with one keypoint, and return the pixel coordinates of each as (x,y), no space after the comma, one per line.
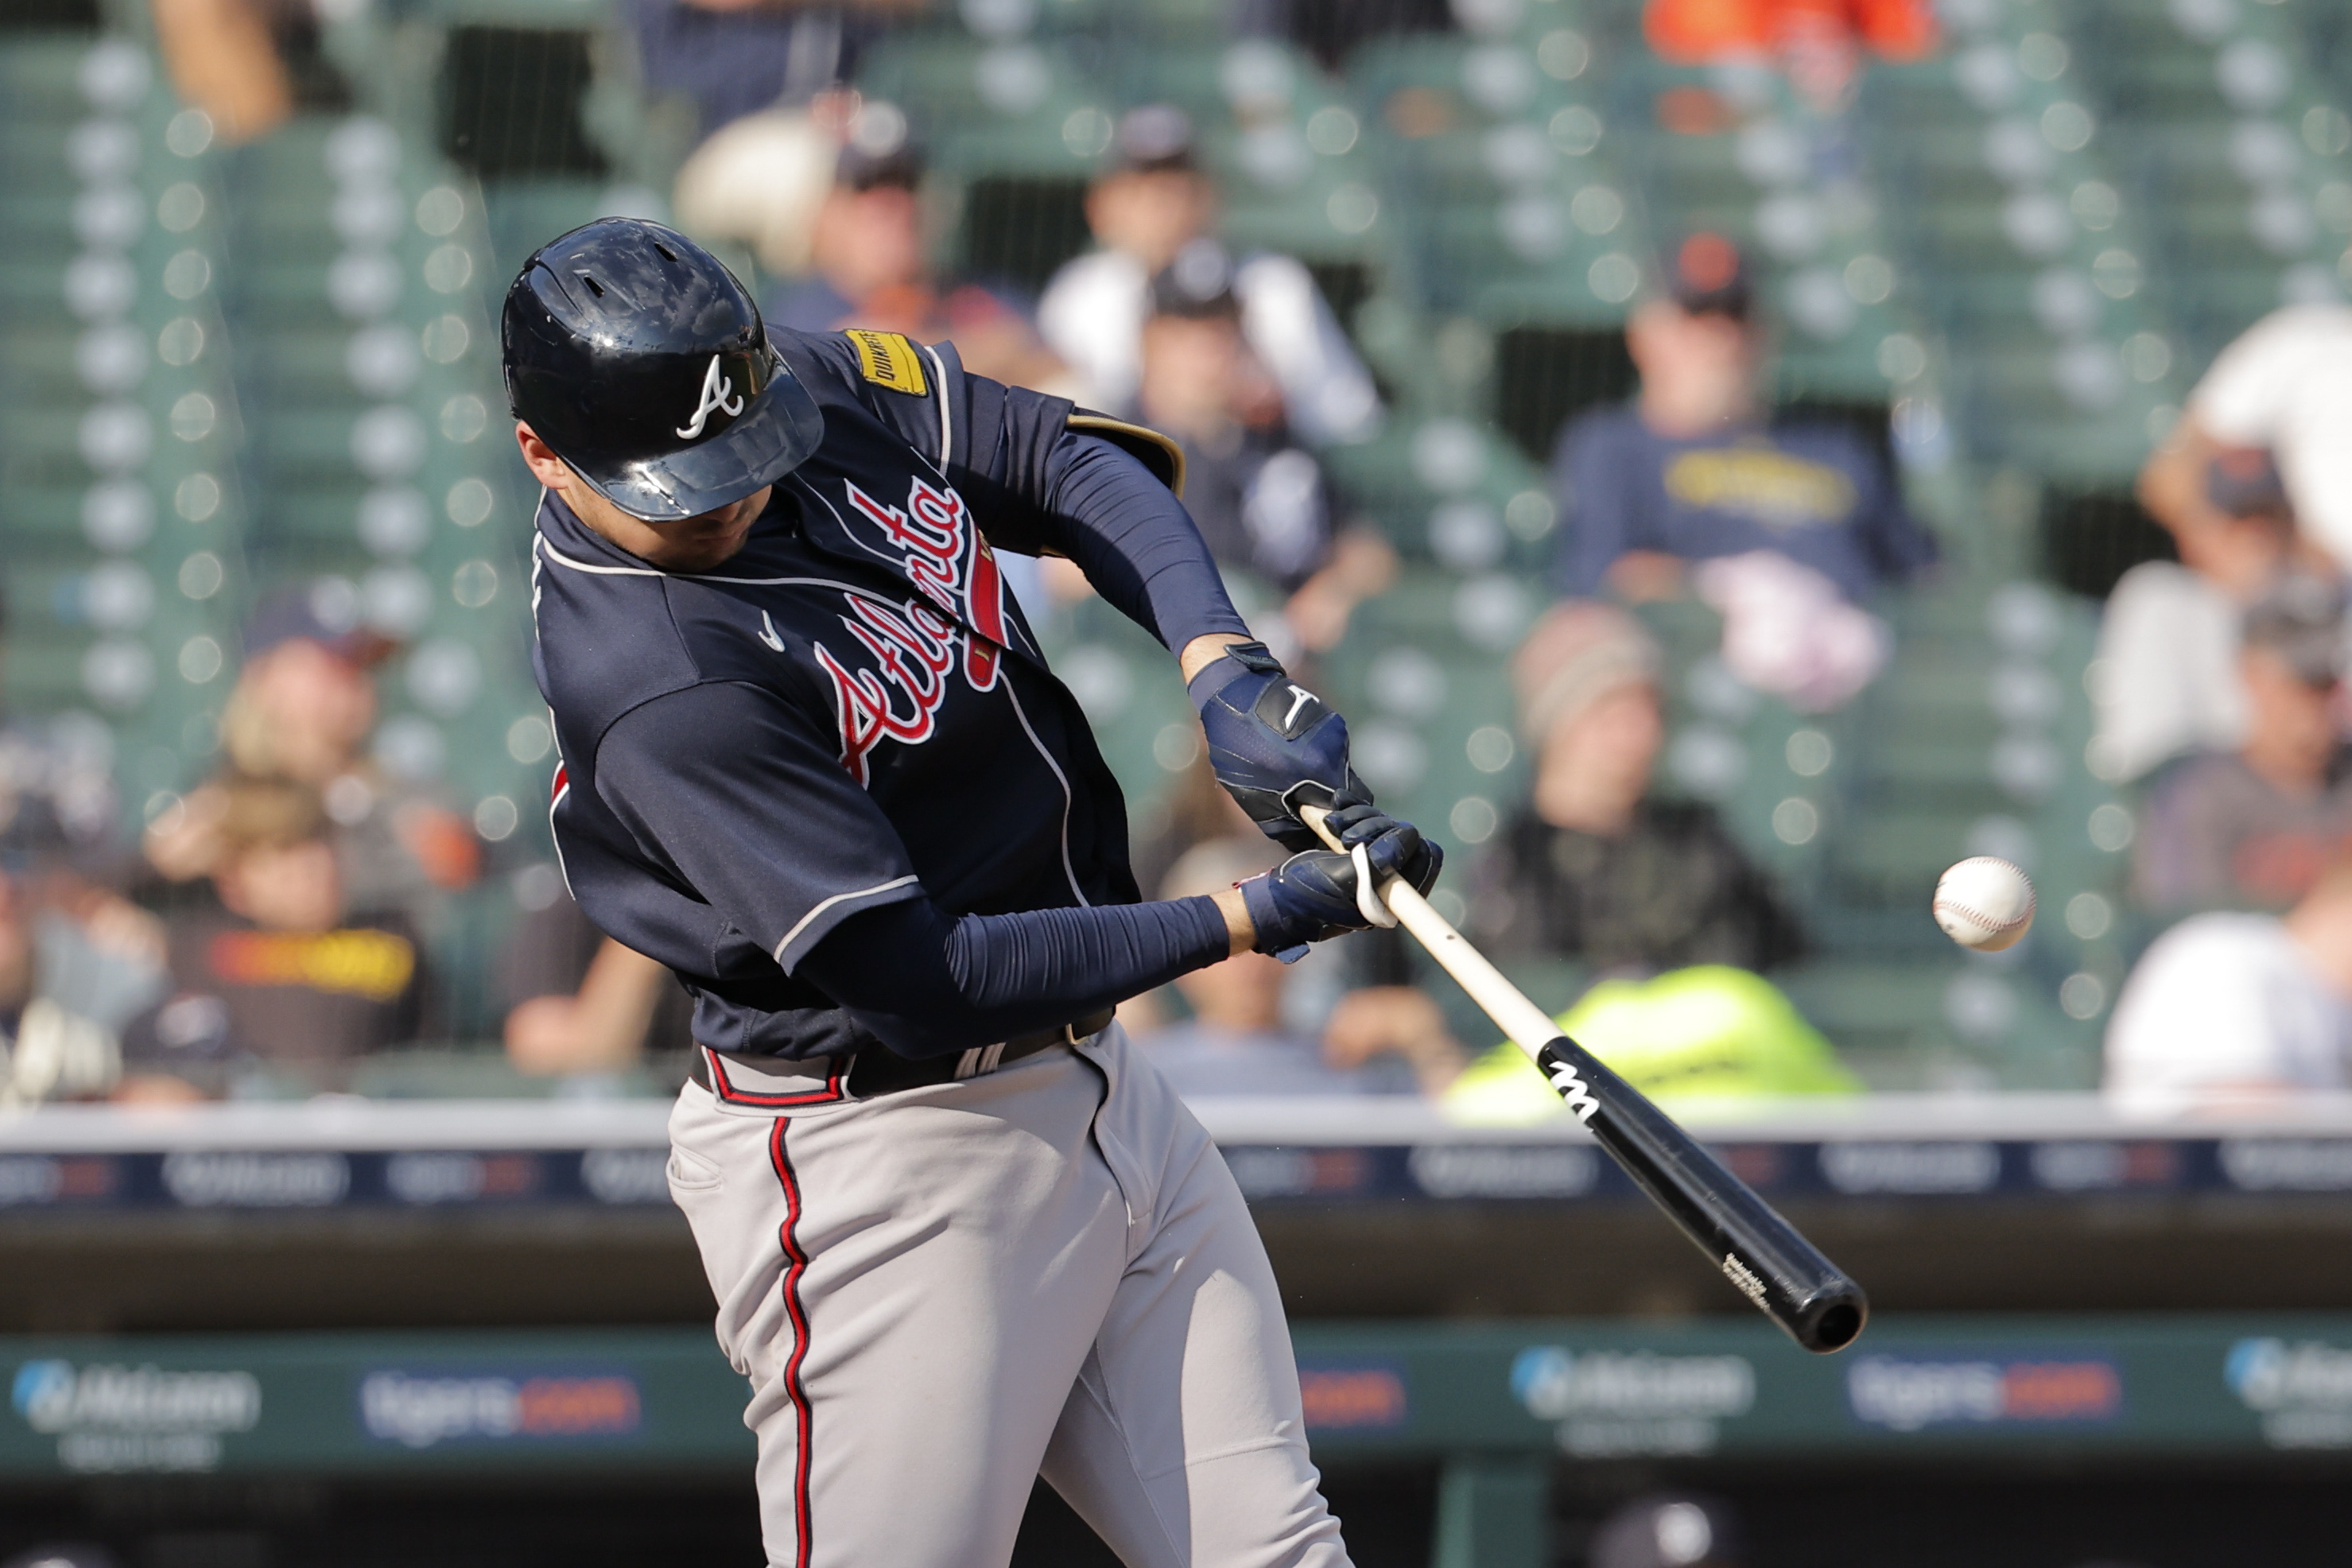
(876,1070)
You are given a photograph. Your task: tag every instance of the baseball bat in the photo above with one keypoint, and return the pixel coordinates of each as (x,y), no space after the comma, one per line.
(1763,1256)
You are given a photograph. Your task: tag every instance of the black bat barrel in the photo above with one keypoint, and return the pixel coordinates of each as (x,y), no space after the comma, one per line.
(1761,1254)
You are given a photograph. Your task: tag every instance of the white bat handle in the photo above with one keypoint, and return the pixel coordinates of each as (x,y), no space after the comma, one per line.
(1529,1026)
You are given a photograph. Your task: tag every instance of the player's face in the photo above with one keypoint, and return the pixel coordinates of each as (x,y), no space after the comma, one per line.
(701,543)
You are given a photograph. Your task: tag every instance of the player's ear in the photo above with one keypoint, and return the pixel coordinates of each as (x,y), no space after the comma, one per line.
(539,457)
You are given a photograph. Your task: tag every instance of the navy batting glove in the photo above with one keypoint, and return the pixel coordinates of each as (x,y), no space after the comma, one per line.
(1399,846)
(1324,893)
(1275,746)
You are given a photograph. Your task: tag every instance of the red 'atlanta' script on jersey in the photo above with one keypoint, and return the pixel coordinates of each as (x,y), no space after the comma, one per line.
(913,646)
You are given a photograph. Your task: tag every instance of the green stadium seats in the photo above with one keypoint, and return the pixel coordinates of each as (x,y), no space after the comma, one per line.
(2036,239)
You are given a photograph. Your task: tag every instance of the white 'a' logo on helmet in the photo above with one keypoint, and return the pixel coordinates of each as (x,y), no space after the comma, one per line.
(718,392)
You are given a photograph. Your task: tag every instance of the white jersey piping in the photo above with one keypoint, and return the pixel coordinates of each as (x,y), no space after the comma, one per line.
(1068,800)
(947,426)
(802,924)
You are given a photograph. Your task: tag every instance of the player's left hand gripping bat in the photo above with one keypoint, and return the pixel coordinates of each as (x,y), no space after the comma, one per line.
(1761,1254)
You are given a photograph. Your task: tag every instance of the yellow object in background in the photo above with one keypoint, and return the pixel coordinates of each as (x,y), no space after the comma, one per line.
(1708,1031)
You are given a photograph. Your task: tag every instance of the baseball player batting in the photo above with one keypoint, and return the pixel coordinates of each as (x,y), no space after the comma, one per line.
(960,1232)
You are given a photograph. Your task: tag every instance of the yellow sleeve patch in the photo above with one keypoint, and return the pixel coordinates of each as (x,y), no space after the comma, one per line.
(888,360)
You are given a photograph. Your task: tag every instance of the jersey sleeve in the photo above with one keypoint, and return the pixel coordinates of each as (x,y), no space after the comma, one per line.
(765,825)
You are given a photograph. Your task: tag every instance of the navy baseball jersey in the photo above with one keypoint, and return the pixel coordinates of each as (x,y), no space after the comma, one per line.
(849,713)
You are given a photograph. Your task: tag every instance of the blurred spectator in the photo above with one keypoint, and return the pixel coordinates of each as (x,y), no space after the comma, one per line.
(1263,504)
(2255,825)
(1591,868)
(870,266)
(735,57)
(1193,809)
(2284,387)
(280,976)
(1700,30)
(578,1002)
(301,712)
(1671,1532)
(225,60)
(62,995)
(63,1555)
(2169,639)
(1798,521)
(1144,208)
(1238,1041)
(2237,1005)
(1332,30)
(1820,43)
(759,181)
(1706,1032)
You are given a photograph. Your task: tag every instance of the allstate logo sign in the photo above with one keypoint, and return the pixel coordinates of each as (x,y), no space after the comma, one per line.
(1612,1403)
(116,1418)
(2302,1392)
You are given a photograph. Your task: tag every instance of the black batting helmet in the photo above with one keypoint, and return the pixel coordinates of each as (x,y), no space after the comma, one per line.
(642,361)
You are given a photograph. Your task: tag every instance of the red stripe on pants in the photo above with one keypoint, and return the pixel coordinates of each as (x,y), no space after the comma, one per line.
(796,1264)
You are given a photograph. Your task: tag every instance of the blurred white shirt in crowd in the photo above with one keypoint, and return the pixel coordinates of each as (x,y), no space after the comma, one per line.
(2168,671)
(1092,316)
(2286,383)
(2222,1003)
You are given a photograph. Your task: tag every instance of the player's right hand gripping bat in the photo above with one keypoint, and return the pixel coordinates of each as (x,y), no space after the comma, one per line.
(1761,1254)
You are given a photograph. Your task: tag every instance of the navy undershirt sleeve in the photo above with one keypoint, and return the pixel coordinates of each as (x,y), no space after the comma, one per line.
(785,846)
(1046,487)
(925,982)
(1135,542)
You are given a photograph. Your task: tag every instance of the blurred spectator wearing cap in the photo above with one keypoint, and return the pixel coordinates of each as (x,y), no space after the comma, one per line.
(1252,1032)
(870,267)
(1263,504)
(2284,387)
(2254,825)
(1671,1532)
(1652,895)
(280,976)
(1590,866)
(2233,1008)
(301,712)
(2168,678)
(1787,527)
(1150,202)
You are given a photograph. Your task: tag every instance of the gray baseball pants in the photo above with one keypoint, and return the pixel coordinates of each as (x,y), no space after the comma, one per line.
(939,1294)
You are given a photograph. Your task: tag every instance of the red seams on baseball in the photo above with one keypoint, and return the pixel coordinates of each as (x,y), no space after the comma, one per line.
(1984,903)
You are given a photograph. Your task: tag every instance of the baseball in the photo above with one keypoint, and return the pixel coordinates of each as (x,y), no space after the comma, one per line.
(1984,903)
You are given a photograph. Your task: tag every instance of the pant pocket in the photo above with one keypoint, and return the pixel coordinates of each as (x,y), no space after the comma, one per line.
(691,1173)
